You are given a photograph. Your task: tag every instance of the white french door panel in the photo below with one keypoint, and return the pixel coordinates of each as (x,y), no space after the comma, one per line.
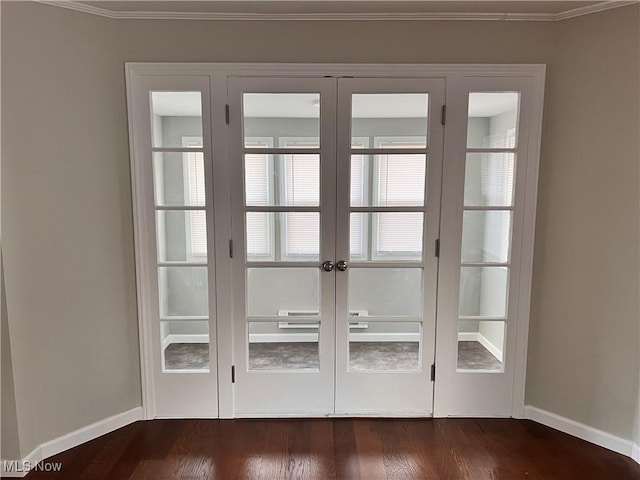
(283,210)
(173,196)
(487,193)
(392,273)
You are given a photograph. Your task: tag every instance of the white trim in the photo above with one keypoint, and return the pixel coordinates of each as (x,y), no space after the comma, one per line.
(282,337)
(589,9)
(384,337)
(484,341)
(580,430)
(409,16)
(75,438)
(527,243)
(143,280)
(31,459)
(338,414)
(493,349)
(185,338)
(635,453)
(315,70)
(80,7)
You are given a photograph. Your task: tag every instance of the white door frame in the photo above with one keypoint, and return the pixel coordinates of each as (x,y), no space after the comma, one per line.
(218,74)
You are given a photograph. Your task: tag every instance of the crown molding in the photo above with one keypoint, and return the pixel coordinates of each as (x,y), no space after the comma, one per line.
(79,7)
(598,7)
(420,16)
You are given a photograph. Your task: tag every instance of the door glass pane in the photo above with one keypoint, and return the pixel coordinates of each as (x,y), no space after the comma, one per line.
(184,291)
(396,236)
(298,234)
(389,115)
(493,118)
(386,292)
(185,346)
(486,236)
(181,236)
(273,292)
(384,346)
(483,291)
(290,180)
(286,345)
(176,116)
(396,180)
(489,179)
(278,115)
(481,345)
(179,178)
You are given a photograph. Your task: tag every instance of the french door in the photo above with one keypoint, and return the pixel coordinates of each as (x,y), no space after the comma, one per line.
(335,212)
(301,229)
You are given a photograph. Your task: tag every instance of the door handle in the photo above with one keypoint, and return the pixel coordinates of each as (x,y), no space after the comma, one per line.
(327,266)
(342,265)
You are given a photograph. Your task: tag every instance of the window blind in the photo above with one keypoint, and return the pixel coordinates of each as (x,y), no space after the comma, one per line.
(196,196)
(497,182)
(400,182)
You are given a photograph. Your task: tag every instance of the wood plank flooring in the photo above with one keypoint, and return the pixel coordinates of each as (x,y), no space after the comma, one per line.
(326,449)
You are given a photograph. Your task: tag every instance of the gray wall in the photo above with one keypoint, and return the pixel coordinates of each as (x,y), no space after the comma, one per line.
(584,341)
(9,434)
(66,222)
(68,244)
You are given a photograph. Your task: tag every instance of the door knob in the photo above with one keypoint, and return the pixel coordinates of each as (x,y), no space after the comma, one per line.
(342,265)
(327,266)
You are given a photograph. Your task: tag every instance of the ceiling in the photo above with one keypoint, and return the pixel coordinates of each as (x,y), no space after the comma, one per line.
(539,10)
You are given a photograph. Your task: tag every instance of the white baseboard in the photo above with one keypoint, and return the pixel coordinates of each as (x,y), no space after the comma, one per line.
(635,453)
(478,337)
(585,432)
(19,468)
(185,338)
(384,337)
(282,337)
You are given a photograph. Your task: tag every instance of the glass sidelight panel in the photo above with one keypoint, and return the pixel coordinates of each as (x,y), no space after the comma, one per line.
(276,115)
(384,346)
(285,345)
(179,179)
(183,291)
(181,236)
(481,345)
(289,179)
(398,115)
(386,236)
(483,291)
(278,292)
(388,180)
(486,236)
(283,236)
(493,119)
(386,292)
(176,116)
(185,346)
(489,179)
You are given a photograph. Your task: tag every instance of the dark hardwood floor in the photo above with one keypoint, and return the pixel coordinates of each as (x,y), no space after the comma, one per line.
(323,449)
